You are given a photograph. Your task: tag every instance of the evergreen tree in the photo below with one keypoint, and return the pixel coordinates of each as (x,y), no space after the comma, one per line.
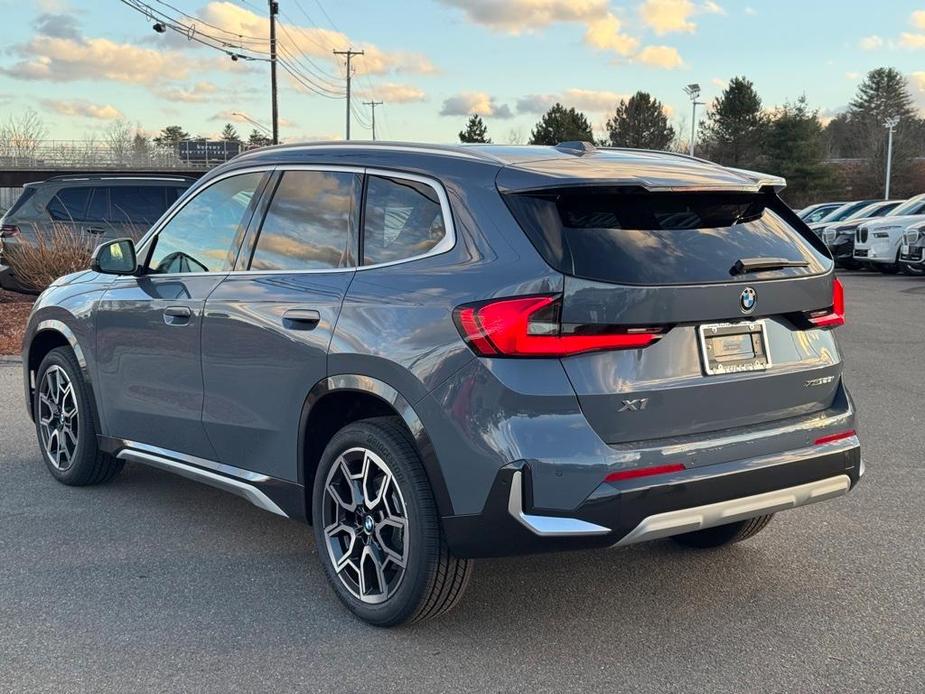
(795,148)
(229,134)
(171,135)
(559,124)
(735,125)
(258,139)
(641,123)
(475,130)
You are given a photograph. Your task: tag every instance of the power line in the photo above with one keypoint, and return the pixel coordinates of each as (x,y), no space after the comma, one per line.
(261,39)
(349,53)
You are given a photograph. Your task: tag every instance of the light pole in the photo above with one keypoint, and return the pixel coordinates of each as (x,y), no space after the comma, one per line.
(890,124)
(693,91)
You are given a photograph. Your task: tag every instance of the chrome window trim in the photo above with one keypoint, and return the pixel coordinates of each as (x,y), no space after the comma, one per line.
(446,244)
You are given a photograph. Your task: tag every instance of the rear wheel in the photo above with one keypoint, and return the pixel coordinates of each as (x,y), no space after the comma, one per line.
(723,534)
(65,423)
(377,530)
(890,268)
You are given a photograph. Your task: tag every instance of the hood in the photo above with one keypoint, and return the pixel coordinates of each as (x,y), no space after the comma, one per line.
(75,278)
(853,224)
(886,222)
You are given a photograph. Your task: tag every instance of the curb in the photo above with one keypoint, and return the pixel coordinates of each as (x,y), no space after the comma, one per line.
(10,360)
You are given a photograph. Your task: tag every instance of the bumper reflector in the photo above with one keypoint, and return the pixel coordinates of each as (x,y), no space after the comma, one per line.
(831,438)
(621,475)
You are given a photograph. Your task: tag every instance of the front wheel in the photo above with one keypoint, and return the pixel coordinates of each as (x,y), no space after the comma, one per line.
(65,423)
(377,530)
(914,270)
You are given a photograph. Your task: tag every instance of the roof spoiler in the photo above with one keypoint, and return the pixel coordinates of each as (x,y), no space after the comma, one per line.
(762,180)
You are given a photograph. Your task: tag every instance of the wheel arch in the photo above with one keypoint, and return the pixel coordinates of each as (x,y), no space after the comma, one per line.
(339,400)
(47,335)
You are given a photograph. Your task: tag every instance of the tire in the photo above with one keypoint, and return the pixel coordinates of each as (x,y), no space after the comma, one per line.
(849,264)
(723,534)
(378,460)
(68,439)
(914,270)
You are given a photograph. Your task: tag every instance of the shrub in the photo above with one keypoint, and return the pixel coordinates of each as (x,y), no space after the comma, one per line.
(39,263)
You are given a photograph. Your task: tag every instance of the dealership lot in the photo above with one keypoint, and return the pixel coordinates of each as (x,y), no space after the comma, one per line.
(154,582)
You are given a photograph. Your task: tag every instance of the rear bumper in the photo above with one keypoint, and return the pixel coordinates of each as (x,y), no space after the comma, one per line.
(650,508)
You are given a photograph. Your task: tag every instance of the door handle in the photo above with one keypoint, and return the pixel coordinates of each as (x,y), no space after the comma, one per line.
(177,315)
(94,230)
(301,318)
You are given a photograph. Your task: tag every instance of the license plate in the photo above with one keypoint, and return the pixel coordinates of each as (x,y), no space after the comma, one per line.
(729,348)
(860,253)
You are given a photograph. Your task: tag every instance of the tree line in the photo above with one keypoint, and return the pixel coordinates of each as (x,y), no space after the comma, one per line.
(844,157)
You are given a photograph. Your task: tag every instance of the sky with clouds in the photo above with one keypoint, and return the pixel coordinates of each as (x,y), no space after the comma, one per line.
(83,64)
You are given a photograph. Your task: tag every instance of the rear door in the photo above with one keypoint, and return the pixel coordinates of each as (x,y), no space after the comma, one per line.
(725,279)
(268,326)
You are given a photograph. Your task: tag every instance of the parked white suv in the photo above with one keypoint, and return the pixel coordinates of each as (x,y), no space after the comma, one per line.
(912,251)
(878,242)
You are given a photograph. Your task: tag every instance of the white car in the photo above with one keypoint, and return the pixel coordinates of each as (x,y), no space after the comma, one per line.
(879,242)
(912,251)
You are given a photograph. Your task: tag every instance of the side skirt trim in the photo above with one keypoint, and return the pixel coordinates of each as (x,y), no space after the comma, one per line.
(687,520)
(235,486)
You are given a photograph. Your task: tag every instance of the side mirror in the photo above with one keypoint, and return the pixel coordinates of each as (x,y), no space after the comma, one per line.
(115,258)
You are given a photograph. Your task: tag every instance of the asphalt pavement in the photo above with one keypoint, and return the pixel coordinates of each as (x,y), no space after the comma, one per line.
(155,583)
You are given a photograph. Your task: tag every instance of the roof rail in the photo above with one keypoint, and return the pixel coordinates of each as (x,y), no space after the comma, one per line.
(100,175)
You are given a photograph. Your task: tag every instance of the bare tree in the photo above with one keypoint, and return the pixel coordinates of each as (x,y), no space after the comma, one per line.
(516,136)
(119,139)
(20,137)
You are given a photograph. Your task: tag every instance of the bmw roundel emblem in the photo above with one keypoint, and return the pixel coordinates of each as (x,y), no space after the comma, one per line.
(748,299)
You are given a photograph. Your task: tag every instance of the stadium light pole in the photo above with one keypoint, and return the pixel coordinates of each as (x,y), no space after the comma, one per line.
(693,91)
(890,124)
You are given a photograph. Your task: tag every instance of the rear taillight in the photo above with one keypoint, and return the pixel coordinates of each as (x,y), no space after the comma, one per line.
(8,230)
(833,316)
(530,327)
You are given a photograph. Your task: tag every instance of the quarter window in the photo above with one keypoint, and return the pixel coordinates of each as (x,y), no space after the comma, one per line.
(310,223)
(69,204)
(404,219)
(136,204)
(205,234)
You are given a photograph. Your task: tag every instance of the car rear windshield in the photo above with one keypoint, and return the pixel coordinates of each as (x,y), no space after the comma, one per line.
(629,237)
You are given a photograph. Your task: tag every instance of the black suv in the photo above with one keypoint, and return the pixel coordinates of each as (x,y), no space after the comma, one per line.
(434,354)
(96,207)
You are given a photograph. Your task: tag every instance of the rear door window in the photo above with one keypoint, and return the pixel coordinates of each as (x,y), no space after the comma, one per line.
(141,205)
(311,222)
(642,238)
(69,204)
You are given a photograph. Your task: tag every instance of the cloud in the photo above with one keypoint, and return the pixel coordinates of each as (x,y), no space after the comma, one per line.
(870,43)
(581,99)
(665,57)
(82,108)
(197,93)
(66,60)
(719,82)
(62,26)
(315,42)
(467,103)
(392,93)
(751,11)
(671,16)
(852,75)
(604,34)
(518,16)
(918,19)
(912,41)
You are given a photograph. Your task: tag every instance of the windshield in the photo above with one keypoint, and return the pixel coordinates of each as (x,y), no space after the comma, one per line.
(878,209)
(911,206)
(845,211)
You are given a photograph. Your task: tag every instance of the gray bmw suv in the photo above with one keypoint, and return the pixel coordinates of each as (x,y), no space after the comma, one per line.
(435,354)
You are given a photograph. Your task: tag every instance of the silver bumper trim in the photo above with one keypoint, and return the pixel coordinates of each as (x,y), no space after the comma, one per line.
(699,517)
(547,526)
(228,484)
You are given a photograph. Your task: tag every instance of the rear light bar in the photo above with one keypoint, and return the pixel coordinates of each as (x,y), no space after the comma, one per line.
(832,438)
(8,231)
(530,327)
(621,475)
(833,316)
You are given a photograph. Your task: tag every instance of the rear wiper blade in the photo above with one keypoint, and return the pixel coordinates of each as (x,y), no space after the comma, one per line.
(743,266)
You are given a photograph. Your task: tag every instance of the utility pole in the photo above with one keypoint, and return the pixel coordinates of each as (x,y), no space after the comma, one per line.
(693,91)
(274,10)
(349,53)
(372,105)
(890,124)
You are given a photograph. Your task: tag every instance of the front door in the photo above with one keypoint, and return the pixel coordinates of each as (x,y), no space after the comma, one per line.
(149,327)
(267,329)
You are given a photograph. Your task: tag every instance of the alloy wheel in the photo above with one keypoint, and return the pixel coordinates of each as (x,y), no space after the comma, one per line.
(365,525)
(58,420)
